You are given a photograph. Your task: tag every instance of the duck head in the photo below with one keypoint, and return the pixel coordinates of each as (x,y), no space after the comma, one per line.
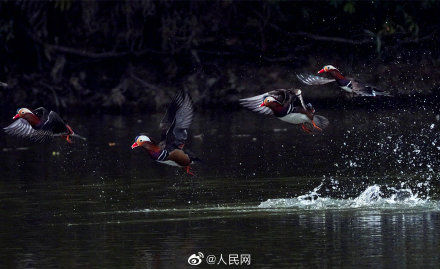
(140,140)
(21,112)
(268,101)
(327,68)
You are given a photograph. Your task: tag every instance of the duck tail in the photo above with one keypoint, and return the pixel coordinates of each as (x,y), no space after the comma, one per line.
(78,136)
(73,134)
(320,121)
(379,93)
(192,157)
(196,160)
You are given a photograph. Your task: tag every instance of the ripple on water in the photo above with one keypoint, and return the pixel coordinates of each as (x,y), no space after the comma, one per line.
(374,197)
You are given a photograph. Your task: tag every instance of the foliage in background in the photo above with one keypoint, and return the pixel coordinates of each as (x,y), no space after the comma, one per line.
(65,48)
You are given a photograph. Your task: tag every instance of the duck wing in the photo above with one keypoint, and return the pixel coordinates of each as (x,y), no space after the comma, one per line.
(22,128)
(177,120)
(292,95)
(41,113)
(55,124)
(313,80)
(254,104)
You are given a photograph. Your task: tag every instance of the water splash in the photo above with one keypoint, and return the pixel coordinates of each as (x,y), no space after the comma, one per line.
(402,198)
(373,197)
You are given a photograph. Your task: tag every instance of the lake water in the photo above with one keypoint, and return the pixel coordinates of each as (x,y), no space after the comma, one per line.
(364,192)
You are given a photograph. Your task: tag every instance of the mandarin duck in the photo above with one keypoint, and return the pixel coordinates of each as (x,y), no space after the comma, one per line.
(174,133)
(40,125)
(349,85)
(286,105)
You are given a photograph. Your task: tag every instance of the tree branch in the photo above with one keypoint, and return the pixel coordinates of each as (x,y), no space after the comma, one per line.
(368,40)
(333,39)
(146,84)
(91,54)
(324,38)
(423,38)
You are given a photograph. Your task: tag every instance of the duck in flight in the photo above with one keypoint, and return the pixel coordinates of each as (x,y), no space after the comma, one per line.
(349,85)
(287,105)
(40,125)
(174,133)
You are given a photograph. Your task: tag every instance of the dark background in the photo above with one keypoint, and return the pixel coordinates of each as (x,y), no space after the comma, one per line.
(124,56)
(364,192)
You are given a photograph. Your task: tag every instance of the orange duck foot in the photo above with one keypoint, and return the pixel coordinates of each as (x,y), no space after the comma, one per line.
(188,171)
(305,129)
(67,137)
(316,126)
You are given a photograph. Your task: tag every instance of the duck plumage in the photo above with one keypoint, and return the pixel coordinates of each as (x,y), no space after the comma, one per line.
(288,106)
(39,125)
(350,85)
(174,134)
(284,101)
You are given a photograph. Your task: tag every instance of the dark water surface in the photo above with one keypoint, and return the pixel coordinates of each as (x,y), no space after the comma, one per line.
(365,192)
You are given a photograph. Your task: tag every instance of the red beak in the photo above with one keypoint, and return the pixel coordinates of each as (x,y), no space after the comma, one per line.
(16,116)
(135,145)
(262,104)
(321,71)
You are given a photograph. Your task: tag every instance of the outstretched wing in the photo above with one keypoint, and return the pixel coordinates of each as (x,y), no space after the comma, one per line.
(254,104)
(185,112)
(55,124)
(177,119)
(298,94)
(313,80)
(41,113)
(22,128)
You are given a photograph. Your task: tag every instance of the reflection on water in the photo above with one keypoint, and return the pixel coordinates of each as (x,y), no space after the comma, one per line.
(365,192)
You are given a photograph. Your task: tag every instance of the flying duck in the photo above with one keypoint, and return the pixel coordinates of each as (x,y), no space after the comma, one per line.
(174,127)
(287,105)
(40,125)
(349,85)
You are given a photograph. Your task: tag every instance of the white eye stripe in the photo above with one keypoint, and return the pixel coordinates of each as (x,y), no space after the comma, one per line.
(143,138)
(329,67)
(270,99)
(23,111)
